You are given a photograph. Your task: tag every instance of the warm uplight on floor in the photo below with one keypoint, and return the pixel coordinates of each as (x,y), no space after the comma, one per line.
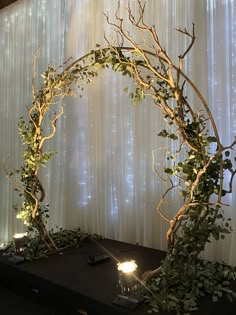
(19,235)
(127,278)
(128,285)
(20,240)
(127,267)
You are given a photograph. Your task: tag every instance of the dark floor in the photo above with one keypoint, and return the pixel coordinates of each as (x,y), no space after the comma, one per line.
(14,304)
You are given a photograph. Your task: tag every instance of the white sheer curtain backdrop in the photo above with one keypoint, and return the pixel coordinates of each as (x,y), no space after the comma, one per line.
(221,37)
(113,190)
(24,27)
(102,178)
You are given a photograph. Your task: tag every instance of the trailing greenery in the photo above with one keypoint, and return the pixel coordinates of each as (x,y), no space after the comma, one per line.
(198,166)
(181,293)
(35,248)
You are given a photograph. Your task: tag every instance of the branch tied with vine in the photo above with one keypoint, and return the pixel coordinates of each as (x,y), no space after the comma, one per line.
(198,167)
(40,127)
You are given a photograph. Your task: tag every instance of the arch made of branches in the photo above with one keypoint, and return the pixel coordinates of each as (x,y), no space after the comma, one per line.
(182,277)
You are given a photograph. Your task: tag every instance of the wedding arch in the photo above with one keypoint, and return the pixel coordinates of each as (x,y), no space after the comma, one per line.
(197,167)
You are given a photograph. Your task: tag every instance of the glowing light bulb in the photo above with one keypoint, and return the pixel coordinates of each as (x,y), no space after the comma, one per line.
(19,235)
(128,266)
(20,240)
(127,283)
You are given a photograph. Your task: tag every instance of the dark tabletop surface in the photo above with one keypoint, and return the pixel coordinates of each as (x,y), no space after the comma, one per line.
(96,285)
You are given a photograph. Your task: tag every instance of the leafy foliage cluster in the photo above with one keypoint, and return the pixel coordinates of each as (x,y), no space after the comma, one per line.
(181,293)
(35,248)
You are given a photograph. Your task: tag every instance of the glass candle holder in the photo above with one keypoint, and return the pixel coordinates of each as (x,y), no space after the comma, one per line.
(127,273)
(20,242)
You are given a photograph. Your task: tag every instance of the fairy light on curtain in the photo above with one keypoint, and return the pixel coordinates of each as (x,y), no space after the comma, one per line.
(24,25)
(120,140)
(102,178)
(222,97)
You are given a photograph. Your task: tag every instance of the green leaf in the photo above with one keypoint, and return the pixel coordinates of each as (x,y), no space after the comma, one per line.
(163,133)
(173,136)
(227,164)
(117,66)
(211,139)
(168,170)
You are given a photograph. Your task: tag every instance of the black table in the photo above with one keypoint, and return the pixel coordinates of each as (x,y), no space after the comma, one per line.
(66,281)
